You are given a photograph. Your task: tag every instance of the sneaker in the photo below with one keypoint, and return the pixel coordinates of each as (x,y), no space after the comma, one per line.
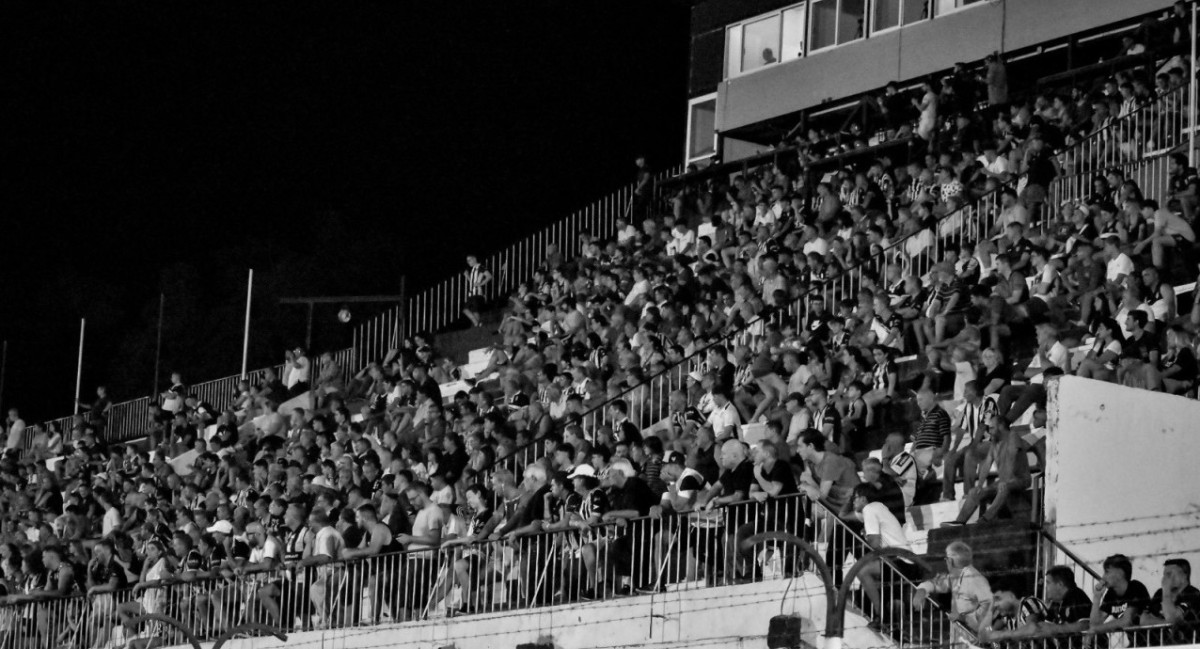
(587,594)
(953,524)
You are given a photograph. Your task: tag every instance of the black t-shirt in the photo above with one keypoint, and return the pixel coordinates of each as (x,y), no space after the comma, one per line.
(1002,372)
(1187,601)
(782,473)
(103,572)
(636,495)
(738,479)
(1075,606)
(1136,597)
(1185,359)
(706,464)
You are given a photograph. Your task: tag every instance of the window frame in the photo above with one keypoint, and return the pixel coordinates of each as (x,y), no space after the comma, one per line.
(741,25)
(687,145)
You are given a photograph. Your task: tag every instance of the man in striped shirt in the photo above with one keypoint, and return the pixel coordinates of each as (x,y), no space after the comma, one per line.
(931,440)
(1011,616)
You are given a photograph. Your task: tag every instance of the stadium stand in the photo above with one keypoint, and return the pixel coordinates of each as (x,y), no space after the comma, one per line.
(845,340)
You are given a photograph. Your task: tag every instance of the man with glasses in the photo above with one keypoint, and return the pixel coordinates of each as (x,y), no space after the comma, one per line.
(970,593)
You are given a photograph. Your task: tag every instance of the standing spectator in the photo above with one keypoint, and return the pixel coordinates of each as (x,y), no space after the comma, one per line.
(882,530)
(478,278)
(327,547)
(931,440)
(970,593)
(16,431)
(928,107)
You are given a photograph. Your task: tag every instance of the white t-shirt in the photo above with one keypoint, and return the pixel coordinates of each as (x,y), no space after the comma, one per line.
(878,520)
(818,245)
(1059,356)
(16,433)
(1120,265)
(269,550)
(112,518)
(428,519)
(329,543)
(722,418)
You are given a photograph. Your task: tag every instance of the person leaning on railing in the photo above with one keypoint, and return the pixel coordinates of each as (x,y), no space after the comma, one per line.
(1119,599)
(970,593)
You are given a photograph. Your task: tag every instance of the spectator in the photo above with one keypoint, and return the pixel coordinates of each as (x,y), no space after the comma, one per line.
(1178,601)
(1120,599)
(1012,616)
(1068,608)
(970,594)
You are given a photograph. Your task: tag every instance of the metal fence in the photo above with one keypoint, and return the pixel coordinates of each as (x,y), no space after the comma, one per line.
(651,554)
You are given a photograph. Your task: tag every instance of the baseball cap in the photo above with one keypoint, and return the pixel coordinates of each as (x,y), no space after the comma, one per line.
(675,457)
(221,527)
(582,470)
(321,481)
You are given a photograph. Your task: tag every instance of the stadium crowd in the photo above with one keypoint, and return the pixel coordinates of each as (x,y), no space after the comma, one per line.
(561,431)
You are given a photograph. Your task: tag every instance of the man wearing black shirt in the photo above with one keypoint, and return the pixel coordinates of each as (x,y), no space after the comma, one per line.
(1178,601)
(1067,606)
(630,497)
(1120,599)
(718,363)
(772,479)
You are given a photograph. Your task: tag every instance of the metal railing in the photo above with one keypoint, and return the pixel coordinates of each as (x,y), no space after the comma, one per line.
(579,563)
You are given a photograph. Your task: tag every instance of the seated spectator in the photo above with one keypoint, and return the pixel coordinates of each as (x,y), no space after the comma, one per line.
(1012,615)
(1068,608)
(1177,602)
(1119,599)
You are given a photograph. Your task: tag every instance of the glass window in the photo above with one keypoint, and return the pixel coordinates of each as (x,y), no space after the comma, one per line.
(851,19)
(946,6)
(793,33)
(760,43)
(886,15)
(703,127)
(822,25)
(733,51)
(915,10)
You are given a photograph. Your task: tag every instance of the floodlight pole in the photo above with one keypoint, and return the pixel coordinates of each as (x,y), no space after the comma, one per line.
(79,365)
(246,334)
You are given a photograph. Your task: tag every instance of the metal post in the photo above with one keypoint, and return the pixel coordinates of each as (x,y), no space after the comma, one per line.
(1191,122)
(402,325)
(79,366)
(3,368)
(162,299)
(308,330)
(246,331)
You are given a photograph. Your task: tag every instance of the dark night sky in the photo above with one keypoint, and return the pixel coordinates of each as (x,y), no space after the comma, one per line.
(331,146)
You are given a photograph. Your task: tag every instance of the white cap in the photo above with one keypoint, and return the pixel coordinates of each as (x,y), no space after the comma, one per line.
(221,527)
(582,470)
(443,496)
(321,481)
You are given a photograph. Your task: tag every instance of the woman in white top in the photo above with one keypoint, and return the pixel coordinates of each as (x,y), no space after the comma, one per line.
(1101,360)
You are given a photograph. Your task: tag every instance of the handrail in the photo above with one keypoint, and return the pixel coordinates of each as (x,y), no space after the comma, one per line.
(1070,555)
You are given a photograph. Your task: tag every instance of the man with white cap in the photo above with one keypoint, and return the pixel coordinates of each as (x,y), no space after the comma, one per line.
(630,497)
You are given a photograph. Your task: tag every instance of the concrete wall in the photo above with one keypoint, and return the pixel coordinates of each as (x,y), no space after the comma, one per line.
(734,617)
(1122,474)
(914,51)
